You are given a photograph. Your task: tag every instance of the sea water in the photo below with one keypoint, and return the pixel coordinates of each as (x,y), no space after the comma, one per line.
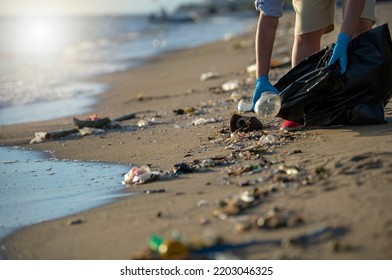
(35,187)
(45,63)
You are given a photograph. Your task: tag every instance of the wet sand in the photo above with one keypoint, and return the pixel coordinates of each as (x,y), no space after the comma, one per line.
(334,181)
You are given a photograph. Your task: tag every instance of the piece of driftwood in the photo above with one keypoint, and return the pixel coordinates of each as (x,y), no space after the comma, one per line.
(96,124)
(100,123)
(55,134)
(125,117)
(40,137)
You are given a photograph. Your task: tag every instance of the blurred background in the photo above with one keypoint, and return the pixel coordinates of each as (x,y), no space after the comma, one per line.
(49,49)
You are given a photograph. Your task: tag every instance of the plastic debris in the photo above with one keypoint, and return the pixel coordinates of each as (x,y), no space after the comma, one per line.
(204,121)
(165,249)
(267,139)
(209,76)
(268,105)
(143,123)
(89,131)
(316,95)
(231,85)
(216,247)
(173,249)
(140,175)
(237,96)
(244,106)
(251,69)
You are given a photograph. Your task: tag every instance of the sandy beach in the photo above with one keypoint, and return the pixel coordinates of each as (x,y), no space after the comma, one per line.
(333,185)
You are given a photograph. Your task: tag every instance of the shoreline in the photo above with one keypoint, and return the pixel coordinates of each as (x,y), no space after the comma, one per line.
(347,195)
(75,89)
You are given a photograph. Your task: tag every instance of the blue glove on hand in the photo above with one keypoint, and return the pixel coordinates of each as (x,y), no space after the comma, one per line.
(340,52)
(262,84)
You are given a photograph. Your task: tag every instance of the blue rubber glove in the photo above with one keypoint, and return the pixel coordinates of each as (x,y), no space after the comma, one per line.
(262,84)
(340,52)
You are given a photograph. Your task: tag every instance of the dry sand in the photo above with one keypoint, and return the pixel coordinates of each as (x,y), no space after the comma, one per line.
(338,178)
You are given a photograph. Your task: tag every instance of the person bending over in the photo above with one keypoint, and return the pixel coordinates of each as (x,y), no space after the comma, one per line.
(313,19)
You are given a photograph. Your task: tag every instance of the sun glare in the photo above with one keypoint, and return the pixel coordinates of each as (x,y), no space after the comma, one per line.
(39,35)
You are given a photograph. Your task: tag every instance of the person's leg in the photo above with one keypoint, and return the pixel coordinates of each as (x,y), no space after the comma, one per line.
(305,45)
(313,19)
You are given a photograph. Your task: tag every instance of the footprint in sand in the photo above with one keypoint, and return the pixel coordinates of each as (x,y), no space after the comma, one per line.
(363,162)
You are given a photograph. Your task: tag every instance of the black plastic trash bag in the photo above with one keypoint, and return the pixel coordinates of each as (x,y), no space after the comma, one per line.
(315,94)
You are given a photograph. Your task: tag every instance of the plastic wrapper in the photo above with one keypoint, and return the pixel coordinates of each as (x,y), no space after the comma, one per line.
(140,175)
(315,94)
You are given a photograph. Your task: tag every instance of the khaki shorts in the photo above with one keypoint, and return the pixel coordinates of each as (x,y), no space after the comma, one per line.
(312,15)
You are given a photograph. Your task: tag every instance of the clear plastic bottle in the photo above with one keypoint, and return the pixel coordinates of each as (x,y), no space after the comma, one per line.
(244,106)
(268,105)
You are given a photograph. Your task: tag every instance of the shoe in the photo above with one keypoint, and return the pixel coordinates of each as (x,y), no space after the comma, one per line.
(290,125)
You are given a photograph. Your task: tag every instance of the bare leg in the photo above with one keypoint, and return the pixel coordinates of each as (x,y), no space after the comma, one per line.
(305,45)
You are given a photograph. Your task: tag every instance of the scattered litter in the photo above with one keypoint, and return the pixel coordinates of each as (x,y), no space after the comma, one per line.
(276,63)
(40,137)
(204,121)
(143,122)
(267,139)
(90,130)
(183,168)
(202,202)
(230,86)
(92,125)
(278,217)
(209,76)
(154,191)
(76,222)
(244,106)
(92,122)
(244,123)
(186,110)
(251,69)
(140,175)
(237,96)
(214,246)
(234,205)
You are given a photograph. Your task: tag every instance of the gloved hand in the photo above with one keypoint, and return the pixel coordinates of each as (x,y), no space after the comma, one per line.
(340,52)
(262,84)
